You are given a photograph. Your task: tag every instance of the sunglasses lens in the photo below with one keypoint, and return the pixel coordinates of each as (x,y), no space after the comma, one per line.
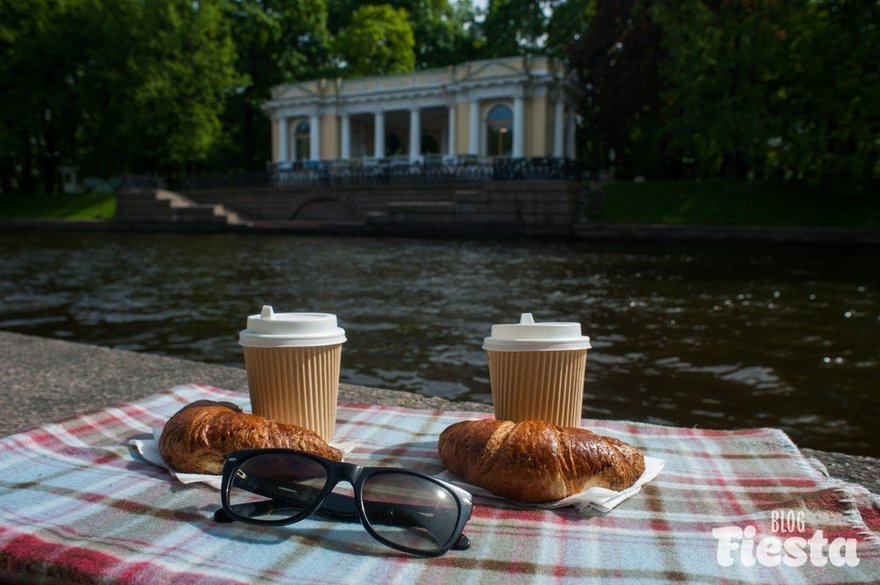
(410,511)
(275,486)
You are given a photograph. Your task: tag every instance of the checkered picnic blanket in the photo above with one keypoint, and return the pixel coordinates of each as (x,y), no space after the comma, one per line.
(78,505)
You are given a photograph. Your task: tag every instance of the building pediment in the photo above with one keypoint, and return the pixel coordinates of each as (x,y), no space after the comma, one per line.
(301,90)
(429,84)
(483,70)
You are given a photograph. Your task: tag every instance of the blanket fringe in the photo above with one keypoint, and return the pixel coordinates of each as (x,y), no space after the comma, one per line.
(851,513)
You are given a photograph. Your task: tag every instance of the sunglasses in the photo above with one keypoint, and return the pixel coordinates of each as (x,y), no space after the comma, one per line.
(403,509)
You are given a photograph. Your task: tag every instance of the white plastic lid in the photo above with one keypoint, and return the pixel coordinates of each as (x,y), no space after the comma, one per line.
(271,329)
(530,336)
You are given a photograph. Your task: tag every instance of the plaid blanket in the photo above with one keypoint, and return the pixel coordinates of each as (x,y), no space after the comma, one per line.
(78,505)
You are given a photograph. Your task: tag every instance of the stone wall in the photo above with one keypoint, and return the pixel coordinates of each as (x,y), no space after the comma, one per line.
(510,207)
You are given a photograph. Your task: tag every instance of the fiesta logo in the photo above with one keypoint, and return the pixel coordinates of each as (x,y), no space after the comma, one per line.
(738,544)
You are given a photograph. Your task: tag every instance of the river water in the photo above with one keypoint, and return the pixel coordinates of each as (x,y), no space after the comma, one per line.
(712,336)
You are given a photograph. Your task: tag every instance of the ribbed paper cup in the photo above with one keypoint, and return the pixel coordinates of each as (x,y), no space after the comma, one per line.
(295,385)
(537,371)
(293,362)
(538,385)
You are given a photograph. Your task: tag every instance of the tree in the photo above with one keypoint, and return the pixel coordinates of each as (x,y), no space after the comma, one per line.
(22,26)
(617,61)
(276,41)
(567,25)
(111,86)
(66,80)
(444,32)
(774,89)
(515,27)
(378,40)
(100,69)
(721,67)
(185,70)
(829,133)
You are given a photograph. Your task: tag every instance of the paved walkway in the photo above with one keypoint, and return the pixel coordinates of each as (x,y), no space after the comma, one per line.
(42,380)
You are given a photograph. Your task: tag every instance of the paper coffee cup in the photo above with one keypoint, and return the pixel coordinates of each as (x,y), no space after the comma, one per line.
(292,362)
(537,370)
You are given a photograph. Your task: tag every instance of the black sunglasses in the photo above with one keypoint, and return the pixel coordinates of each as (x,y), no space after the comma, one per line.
(403,509)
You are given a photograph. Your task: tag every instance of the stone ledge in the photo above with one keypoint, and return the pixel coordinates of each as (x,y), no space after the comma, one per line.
(476,226)
(47,379)
(724,233)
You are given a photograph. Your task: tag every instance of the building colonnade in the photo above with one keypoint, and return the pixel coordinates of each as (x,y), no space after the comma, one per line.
(516,107)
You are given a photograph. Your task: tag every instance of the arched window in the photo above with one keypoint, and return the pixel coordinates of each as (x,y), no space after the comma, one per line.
(499,131)
(301,141)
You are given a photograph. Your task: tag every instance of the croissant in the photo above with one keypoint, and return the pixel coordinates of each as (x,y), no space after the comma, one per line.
(199,436)
(534,461)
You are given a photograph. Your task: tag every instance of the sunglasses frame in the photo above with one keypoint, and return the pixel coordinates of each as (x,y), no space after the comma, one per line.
(356,475)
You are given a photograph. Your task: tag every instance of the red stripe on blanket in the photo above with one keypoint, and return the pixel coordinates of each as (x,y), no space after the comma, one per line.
(73,564)
(28,555)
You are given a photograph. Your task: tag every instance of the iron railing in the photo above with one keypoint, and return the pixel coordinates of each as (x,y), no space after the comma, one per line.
(137,182)
(432,169)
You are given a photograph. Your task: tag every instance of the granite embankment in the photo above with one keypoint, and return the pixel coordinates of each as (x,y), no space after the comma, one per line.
(580,231)
(43,380)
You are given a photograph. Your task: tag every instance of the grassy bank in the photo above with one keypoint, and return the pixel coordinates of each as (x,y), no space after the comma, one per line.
(726,202)
(80,206)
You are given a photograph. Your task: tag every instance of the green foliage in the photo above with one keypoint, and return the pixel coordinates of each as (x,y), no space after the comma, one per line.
(781,89)
(110,86)
(378,40)
(536,27)
(81,206)
(276,41)
(515,27)
(829,104)
(31,73)
(567,25)
(185,70)
(733,202)
(725,71)
(444,32)
(618,59)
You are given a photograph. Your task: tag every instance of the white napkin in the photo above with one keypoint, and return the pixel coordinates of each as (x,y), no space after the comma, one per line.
(595,498)
(149,450)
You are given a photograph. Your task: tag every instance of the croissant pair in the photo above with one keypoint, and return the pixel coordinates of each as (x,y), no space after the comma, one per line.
(530,461)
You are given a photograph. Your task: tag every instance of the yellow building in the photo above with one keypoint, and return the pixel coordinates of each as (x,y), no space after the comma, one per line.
(513,107)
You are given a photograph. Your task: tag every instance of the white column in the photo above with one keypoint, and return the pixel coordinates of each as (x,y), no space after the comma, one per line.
(346,137)
(519,127)
(570,135)
(415,135)
(450,134)
(558,129)
(379,135)
(474,128)
(315,138)
(283,140)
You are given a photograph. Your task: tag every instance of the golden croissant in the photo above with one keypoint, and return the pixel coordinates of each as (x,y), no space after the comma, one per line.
(534,461)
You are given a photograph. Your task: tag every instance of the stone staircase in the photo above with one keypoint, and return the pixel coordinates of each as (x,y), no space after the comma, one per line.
(160,207)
